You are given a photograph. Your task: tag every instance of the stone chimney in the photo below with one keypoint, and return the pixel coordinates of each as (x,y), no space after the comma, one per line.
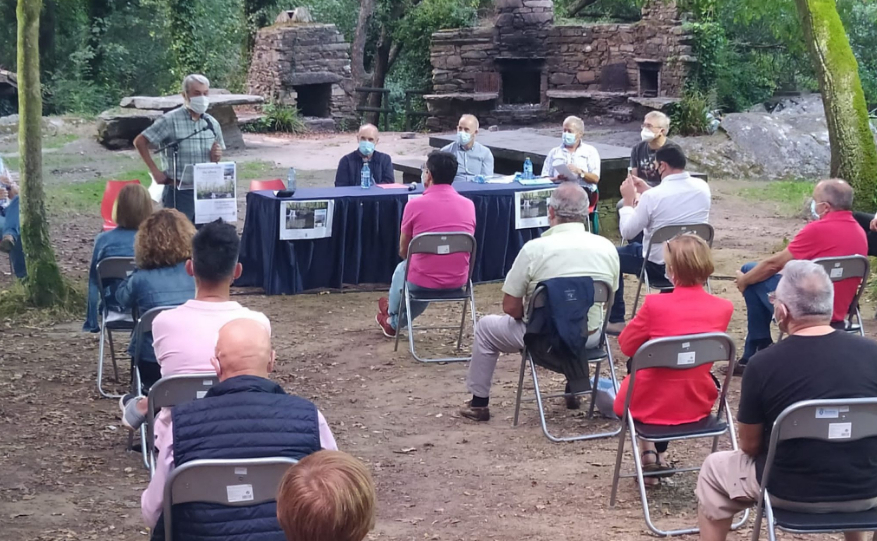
(522,26)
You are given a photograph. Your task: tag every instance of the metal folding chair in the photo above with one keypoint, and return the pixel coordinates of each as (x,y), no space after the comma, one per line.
(662,235)
(232,483)
(144,326)
(169,392)
(677,353)
(438,244)
(602,295)
(833,421)
(111,268)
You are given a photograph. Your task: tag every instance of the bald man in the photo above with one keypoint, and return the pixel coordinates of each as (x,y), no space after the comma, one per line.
(245,415)
(833,233)
(473,158)
(351,166)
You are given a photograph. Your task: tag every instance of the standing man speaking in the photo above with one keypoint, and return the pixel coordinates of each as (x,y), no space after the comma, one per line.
(198,138)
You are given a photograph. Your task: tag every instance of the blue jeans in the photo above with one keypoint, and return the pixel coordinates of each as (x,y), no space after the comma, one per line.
(631,259)
(759,311)
(11,224)
(417,307)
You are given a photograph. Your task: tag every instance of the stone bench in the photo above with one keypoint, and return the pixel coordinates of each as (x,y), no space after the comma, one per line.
(118,127)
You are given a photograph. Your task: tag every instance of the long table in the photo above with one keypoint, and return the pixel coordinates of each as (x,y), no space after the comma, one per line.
(364,246)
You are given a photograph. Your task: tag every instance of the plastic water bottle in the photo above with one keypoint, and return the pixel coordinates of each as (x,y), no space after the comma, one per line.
(365,178)
(290,179)
(528,169)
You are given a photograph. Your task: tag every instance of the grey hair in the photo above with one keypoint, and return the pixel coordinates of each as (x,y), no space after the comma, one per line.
(194,78)
(576,123)
(662,120)
(837,193)
(570,202)
(806,290)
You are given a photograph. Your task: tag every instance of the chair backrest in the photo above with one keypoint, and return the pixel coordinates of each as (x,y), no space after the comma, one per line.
(144,325)
(114,268)
(235,483)
(443,244)
(837,420)
(111,193)
(851,266)
(274,184)
(173,390)
(663,234)
(682,353)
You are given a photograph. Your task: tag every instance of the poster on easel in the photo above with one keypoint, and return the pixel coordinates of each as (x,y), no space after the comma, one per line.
(531,208)
(306,219)
(215,186)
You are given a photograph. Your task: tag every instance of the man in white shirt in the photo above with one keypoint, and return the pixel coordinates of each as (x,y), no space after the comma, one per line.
(473,158)
(564,251)
(679,199)
(582,160)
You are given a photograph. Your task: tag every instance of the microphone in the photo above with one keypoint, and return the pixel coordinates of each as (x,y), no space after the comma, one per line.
(210,127)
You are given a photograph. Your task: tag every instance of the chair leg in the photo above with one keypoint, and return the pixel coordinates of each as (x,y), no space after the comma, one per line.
(399,313)
(100,362)
(520,387)
(616,477)
(462,323)
(594,390)
(113,355)
(643,277)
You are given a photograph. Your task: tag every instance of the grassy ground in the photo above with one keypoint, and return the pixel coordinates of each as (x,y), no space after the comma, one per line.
(790,196)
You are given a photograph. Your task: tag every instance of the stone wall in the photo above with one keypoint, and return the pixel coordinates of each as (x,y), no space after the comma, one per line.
(289,55)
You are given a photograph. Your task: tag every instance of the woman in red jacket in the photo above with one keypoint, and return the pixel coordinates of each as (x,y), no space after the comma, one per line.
(665,396)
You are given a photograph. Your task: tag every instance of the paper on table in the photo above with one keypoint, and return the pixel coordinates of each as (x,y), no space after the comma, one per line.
(507,179)
(538,181)
(392,186)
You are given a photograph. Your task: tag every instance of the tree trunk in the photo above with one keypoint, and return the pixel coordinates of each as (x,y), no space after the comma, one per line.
(379,73)
(45,287)
(578,6)
(853,153)
(357,48)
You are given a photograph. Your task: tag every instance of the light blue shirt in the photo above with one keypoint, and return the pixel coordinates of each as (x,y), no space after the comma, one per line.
(472,162)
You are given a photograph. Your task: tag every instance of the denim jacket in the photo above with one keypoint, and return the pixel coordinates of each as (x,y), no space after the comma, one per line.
(116,243)
(148,289)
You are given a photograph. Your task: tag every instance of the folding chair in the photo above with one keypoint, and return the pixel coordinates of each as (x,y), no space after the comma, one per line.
(592,221)
(144,326)
(677,353)
(602,295)
(111,268)
(438,244)
(172,391)
(231,483)
(111,193)
(843,268)
(662,235)
(837,421)
(275,184)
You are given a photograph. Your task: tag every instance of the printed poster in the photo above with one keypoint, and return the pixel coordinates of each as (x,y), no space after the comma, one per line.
(531,208)
(215,187)
(306,219)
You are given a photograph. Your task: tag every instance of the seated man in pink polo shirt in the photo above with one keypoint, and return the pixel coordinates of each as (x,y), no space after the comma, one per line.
(185,337)
(440,210)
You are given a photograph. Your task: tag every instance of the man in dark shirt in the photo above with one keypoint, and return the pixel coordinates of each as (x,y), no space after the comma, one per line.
(643,165)
(814,362)
(380,165)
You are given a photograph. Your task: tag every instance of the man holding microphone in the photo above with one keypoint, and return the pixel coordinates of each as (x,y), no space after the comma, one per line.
(199,139)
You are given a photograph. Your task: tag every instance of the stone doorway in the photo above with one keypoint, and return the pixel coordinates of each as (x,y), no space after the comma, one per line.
(314,100)
(649,78)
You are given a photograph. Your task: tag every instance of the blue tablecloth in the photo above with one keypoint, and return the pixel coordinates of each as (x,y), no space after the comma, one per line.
(364,247)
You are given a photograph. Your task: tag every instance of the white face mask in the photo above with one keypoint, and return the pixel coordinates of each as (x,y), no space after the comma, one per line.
(648,135)
(199,104)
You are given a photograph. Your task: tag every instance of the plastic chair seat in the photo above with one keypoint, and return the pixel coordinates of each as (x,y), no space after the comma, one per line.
(596,354)
(708,425)
(439,295)
(806,522)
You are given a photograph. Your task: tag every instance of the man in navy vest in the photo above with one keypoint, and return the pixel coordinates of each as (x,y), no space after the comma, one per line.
(245,415)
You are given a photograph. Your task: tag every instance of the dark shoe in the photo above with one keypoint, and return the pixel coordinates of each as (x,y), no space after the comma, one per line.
(573,402)
(384,323)
(7,244)
(740,367)
(615,328)
(474,413)
(384,306)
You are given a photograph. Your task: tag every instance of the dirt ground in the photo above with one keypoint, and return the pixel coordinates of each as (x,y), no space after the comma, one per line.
(64,472)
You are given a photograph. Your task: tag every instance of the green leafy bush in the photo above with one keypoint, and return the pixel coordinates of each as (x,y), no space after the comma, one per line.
(278,118)
(689,116)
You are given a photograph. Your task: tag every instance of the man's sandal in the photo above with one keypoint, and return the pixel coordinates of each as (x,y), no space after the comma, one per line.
(656,468)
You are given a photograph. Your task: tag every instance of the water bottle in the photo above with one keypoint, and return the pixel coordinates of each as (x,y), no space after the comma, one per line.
(290,179)
(528,169)
(365,178)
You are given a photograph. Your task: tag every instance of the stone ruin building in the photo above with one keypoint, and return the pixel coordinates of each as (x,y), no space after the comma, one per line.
(307,65)
(526,69)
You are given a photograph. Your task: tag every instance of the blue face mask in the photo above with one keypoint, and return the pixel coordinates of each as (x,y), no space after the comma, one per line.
(463,138)
(366,148)
(569,139)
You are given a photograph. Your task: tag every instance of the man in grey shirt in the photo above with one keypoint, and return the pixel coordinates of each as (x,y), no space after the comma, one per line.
(473,158)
